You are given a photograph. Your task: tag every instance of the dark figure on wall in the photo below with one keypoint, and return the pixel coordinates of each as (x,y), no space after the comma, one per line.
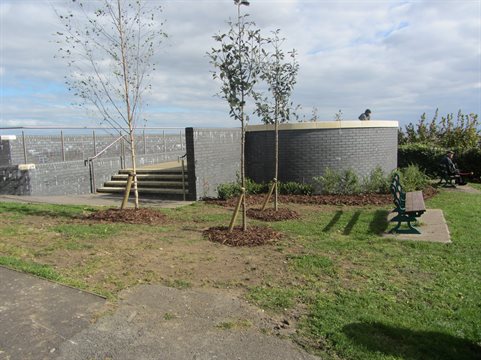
(366,115)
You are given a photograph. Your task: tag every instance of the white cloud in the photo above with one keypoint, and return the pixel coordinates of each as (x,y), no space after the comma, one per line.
(399,58)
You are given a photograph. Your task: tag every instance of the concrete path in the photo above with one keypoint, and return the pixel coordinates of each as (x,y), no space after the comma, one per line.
(157,322)
(43,320)
(37,316)
(91,200)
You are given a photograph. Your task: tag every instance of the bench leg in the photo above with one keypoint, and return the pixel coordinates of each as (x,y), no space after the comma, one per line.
(411,229)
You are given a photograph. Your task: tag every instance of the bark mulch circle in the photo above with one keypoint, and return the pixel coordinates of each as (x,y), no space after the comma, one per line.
(130,216)
(272,215)
(253,236)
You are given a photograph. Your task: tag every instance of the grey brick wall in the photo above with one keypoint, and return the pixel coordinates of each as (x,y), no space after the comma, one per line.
(213,158)
(306,153)
(69,177)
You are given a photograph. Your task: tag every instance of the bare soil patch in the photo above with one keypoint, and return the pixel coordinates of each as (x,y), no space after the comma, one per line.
(272,215)
(131,216)
(253,236)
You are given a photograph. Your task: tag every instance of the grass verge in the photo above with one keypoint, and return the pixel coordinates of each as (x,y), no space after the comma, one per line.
(356,295)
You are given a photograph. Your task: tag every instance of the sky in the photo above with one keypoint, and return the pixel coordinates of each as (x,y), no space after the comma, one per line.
(398,58)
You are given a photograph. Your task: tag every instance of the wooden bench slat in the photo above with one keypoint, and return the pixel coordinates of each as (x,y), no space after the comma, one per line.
(415,201)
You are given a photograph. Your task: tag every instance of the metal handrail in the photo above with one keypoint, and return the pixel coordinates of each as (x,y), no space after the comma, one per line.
(104,150)
(90,160)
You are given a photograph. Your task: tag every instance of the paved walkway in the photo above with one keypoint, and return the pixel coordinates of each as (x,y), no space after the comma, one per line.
(43,320)
(92,200)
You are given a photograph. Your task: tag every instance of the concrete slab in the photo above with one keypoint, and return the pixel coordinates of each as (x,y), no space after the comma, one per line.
(432,225)
(37,315)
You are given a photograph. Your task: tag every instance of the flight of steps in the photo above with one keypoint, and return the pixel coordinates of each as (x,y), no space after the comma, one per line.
(160,183)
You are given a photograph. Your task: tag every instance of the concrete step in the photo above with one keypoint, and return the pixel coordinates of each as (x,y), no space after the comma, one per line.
(150,177)
(146,184)
(173,171)
(117,190)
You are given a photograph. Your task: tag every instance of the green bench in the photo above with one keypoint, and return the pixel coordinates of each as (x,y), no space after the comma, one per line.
(409,206)
(446,179)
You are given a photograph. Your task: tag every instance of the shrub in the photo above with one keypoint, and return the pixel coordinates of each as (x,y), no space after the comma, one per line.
(427,158)
(349,183)
(295,188)
(229,190)
(376,182)
(333,182)
(412,178)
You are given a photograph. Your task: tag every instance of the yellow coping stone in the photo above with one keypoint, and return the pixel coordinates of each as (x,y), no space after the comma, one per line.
(348,124)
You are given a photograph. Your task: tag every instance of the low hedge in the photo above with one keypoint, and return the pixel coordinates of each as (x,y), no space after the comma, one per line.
(427,158)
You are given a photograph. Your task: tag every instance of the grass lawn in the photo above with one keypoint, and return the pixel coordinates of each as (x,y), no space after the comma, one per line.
(351,293)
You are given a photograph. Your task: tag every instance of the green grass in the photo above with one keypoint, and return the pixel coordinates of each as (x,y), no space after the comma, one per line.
(19,210)
(359,295)
(382,299)
(86,231)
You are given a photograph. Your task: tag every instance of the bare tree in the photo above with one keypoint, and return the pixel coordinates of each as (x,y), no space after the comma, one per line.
(237,66)
(109,47)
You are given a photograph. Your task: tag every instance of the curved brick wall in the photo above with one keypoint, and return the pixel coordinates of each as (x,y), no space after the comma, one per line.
(306,149)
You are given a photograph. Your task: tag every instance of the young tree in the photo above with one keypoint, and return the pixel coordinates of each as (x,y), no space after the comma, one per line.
(237,67)
(280,76)
(109,47)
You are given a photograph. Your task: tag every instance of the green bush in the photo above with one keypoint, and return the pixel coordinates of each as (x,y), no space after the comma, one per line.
(334,182)
(349,183)
(329,182)
(230,190)
(427,158)
(295,188)
(377,182)
(412,178)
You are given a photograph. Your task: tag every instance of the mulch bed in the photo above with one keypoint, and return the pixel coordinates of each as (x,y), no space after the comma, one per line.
(351,200)
(131,216)
(272,215)
(253,236)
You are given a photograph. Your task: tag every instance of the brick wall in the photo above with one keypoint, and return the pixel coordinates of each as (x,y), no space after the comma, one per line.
(69,177)
(306,153)
(213,158)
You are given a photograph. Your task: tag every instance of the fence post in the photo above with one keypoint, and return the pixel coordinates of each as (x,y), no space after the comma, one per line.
(145,145)
(95,142)
(165,144)
(24,147)
(181,144)
(122,154)
(62,144)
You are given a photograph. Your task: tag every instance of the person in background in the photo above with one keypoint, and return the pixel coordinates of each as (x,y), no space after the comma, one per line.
(366,115)
(451,168)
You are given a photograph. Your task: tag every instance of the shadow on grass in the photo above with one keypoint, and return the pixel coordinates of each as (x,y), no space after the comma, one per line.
(379,223)
(351,223)
(409,344)
(333,221)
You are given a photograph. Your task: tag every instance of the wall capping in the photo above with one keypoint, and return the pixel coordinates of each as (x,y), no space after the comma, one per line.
(347,124)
